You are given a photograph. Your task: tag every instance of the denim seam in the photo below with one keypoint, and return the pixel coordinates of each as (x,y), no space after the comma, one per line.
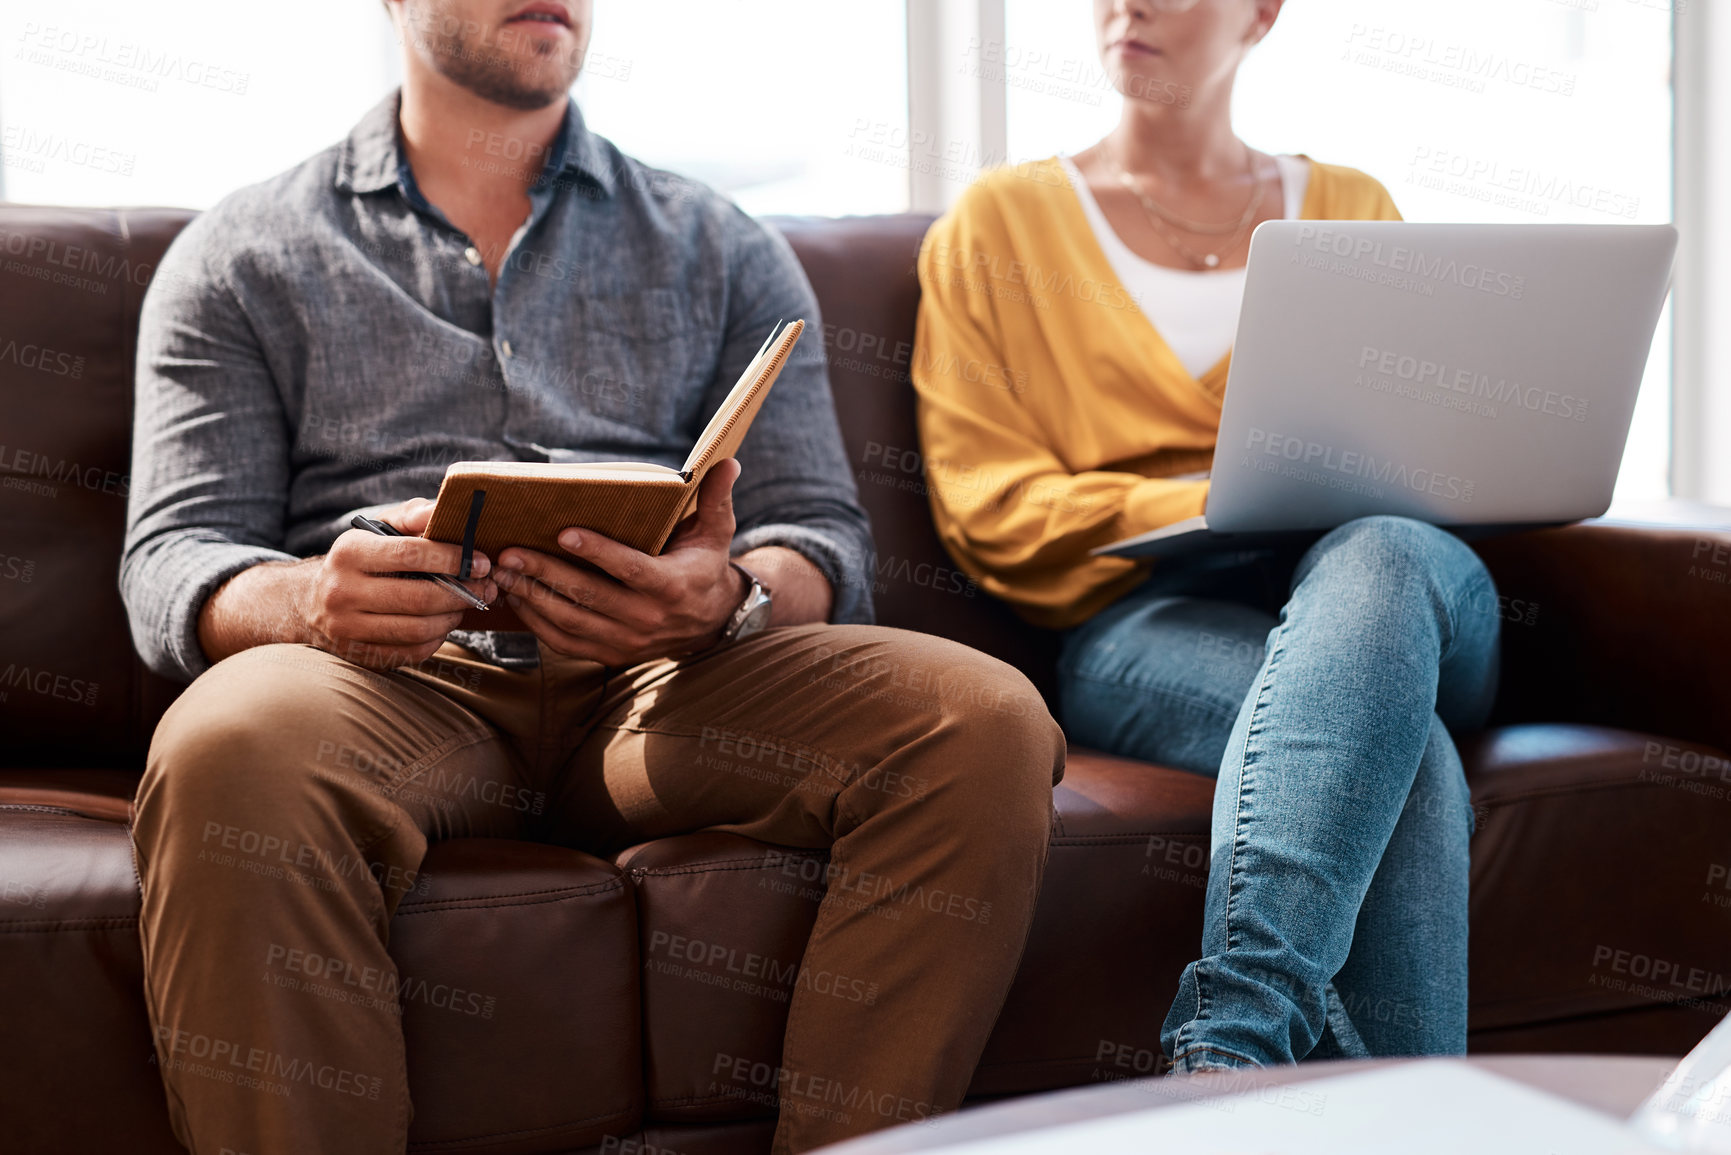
(1226,709)
(1265,678)
(1481,578)
(1251,731)
(1187,1052)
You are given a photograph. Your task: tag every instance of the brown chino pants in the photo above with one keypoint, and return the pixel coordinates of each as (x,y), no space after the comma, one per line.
(244,757)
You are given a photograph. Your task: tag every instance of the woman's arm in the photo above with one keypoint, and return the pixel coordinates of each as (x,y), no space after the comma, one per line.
(1007,508)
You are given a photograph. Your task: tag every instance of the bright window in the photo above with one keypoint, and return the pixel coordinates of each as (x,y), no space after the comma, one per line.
(789,106)
(178,102)
(1492,110)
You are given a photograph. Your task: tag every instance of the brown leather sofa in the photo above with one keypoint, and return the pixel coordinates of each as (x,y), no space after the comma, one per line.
(616,999)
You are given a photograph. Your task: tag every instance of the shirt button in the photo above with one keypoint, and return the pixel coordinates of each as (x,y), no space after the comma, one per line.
(473,255)
(505,348)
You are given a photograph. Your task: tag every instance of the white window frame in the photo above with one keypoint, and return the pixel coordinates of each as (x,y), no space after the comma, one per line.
(1701,301)
(957,123)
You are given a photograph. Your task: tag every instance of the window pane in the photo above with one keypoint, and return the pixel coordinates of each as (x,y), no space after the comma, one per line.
(1475,110)
(790,106)
(787,106)
(178,102)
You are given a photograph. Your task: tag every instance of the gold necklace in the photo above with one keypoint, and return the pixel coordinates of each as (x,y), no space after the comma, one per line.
(1158,215)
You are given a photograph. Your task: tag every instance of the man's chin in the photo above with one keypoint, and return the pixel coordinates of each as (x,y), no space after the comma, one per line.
(521,85)
(509,92)
(524,100)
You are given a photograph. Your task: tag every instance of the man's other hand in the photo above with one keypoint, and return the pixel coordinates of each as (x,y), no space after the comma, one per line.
(356,609)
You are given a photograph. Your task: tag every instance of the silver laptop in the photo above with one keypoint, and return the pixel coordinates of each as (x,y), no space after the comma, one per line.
(1465,375)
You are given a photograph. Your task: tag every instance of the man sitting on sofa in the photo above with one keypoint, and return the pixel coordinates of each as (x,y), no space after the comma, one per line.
(472,274)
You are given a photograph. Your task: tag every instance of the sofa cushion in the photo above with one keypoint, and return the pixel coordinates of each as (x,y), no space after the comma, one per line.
(1120,914)
(722,924)
(520,998)
(724,921)
(519,994)
(74,989)
(1592,903)
(1600,871)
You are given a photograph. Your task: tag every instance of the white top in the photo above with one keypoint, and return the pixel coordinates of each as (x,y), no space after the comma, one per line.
(1196,313)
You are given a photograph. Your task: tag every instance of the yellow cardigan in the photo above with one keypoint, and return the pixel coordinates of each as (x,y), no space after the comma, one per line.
(1052,413)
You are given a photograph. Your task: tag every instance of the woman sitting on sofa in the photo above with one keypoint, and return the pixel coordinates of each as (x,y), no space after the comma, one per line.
(1072,349)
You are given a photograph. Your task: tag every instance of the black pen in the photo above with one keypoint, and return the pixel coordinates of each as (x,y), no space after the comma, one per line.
(362,521)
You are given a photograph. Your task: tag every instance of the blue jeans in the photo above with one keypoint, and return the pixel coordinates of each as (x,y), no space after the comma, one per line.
(1336,909)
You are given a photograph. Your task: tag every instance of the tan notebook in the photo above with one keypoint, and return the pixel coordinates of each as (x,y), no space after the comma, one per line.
(528,503)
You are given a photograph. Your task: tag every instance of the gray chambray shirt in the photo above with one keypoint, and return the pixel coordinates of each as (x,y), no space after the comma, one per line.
(326,342)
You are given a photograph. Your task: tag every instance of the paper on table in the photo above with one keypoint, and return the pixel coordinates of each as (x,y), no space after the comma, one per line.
(1692,1111)
(1432,1107)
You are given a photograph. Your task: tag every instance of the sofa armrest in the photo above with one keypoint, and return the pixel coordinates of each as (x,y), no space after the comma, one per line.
(1619,623)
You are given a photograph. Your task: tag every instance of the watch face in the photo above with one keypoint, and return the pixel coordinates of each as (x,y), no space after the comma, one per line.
(755,620)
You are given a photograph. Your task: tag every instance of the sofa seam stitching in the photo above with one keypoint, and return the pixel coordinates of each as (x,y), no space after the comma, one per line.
(427,1143)
(717,865)
(542,897)
(48,926)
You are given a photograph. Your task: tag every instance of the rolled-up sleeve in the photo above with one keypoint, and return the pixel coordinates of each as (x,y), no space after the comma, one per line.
(795,489)
(210,450)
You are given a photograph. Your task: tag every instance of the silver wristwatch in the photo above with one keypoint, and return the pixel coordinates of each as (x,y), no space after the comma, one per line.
(752,614)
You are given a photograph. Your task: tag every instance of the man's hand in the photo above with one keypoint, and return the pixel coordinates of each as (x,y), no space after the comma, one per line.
(355,609)
(638,607)
(346,601)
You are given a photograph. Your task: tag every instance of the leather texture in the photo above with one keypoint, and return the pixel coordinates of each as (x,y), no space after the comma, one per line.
(519,1006)
(1630,625)
(1603,797)
(70,290)
(863,271)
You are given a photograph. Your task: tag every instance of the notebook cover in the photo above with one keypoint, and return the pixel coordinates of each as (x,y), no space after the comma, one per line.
(641,512)
(531,512)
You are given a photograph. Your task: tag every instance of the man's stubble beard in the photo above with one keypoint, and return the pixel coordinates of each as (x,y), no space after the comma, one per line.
(486,69)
